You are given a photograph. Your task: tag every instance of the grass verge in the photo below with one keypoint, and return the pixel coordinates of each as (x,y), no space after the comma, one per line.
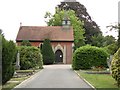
(99,80)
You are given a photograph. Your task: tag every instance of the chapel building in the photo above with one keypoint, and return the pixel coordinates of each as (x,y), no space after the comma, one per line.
(61,37)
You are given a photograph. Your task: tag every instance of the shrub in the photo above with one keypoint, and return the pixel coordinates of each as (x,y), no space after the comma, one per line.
(115,67)
(47,52)
(88,56)
(8,58)
(30,57)
(25,43)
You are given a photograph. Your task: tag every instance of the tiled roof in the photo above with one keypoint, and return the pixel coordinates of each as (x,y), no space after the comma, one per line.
(39,33)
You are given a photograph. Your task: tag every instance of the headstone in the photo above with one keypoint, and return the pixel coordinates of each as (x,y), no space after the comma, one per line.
(109,60)
(18,61)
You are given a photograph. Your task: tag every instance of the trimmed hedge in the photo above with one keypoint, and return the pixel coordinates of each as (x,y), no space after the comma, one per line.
(30,57)
(88,56)
(115,67)
(8,59)
(47,52)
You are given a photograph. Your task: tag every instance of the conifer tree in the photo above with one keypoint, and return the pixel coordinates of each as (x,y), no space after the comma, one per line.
(47,52)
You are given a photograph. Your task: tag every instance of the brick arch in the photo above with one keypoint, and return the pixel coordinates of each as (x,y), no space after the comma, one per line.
(59,47)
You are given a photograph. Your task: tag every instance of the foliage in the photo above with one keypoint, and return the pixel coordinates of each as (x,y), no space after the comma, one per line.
(101,41)
(98,40)
(88,56)
(8,57)
(90,26)
(1,32)
(116,67)
(30,57)
(57,18)
(118,35)
(111,49)
(0,51)
(25,43)
(109,43)
(109,40)
(116,27)
(47,52)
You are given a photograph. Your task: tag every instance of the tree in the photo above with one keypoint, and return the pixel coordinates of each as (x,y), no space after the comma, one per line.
(57,18)
(90,26)
(98,40)
(47,52)
(111,49)
(109,40)
(116,27)
(103,41)
(8,59)
(25,43)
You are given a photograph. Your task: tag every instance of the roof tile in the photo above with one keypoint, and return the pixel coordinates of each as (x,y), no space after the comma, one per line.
(39,33)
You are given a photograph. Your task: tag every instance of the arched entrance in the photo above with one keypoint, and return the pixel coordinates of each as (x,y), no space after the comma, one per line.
(58,56)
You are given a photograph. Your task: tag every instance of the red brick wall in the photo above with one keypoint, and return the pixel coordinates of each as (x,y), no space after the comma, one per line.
(68,48)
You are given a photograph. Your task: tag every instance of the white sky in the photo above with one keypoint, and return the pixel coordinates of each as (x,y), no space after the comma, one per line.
(31,13)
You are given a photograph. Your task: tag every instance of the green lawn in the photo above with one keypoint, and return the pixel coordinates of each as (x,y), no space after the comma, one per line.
(99,80)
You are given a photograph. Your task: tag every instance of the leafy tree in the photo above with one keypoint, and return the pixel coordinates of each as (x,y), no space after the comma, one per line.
(25,43)
(57,18)
(47,52)
(97,40)
(111,49)
(101,41)
(90,26)
(116,27)
(109,40)
(8,58)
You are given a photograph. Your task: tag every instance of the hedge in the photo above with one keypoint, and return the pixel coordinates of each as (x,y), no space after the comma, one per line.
(115,67)
(88,56)
(30,57)
(8,59)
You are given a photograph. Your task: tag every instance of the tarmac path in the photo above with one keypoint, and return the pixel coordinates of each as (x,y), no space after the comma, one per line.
(55,76)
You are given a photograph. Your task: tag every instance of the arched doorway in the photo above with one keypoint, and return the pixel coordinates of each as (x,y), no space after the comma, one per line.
(58,56)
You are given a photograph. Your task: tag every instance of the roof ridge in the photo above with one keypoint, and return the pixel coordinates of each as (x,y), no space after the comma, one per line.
(43,26)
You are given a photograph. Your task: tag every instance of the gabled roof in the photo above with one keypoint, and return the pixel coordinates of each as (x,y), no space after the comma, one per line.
(39,33)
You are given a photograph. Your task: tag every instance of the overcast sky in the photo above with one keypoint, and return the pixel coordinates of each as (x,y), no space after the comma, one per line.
(31,13)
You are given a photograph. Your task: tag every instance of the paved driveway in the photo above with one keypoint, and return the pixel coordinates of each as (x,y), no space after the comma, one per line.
(55,76)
